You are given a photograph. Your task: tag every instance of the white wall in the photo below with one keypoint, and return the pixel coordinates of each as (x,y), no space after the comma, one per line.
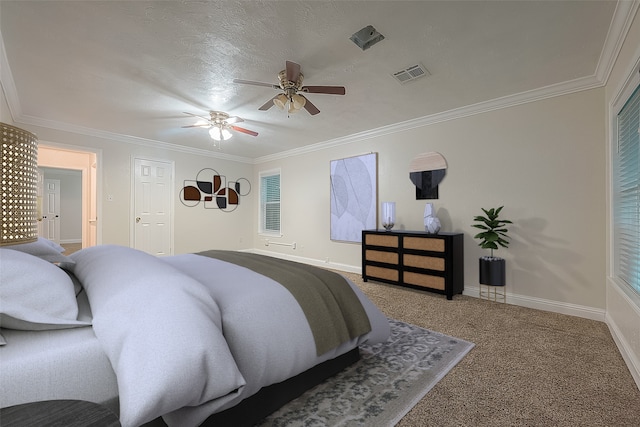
(195,228)
(544,161)
(622,304)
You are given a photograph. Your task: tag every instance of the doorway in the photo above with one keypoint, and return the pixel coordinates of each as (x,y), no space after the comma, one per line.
(86,164)
(152,198)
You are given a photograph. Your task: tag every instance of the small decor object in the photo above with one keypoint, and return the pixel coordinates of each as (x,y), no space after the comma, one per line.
(19,185)
(494,235)
(426,171)
(388,215)
(431,221)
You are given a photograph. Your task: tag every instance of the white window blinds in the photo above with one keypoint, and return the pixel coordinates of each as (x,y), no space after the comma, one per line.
(270,203)
(626,203)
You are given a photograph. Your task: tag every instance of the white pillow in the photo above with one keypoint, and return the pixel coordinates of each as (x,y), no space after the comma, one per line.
(42,248)
(35,294)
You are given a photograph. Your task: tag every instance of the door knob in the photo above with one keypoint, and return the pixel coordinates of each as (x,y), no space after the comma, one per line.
(137,219)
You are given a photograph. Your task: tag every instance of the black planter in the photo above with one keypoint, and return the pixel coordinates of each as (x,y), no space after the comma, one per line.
(492,271)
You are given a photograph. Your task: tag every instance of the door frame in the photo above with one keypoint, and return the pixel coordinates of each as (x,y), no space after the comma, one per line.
(89,162)
(132,204)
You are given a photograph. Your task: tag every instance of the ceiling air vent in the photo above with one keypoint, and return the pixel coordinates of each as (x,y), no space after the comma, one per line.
(411,73)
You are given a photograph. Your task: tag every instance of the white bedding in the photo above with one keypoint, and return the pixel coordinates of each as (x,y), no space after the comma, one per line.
(186,336)
(56,364)
(265,327)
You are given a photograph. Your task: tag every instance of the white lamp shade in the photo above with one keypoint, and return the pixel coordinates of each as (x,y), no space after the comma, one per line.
(298,101)
(215,133)
(226,134)
(280,101)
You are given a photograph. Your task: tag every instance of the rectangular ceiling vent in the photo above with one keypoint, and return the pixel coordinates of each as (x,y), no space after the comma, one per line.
(411,73)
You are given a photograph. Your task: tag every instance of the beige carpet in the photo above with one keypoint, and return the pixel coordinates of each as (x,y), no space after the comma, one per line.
(528,368)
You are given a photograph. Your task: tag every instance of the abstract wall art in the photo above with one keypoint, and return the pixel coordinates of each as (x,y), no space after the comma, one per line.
(426,171)
(213,191)
(353,196)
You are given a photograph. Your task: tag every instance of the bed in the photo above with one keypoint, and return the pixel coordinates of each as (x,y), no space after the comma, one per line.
(214,338)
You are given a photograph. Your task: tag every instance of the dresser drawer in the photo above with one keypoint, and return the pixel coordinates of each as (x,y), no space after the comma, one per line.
(434,282)
(389,241)
(380,256)
(423,244)
(421,261)
(382,273)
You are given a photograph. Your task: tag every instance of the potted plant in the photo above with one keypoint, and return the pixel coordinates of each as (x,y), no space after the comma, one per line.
(493,235)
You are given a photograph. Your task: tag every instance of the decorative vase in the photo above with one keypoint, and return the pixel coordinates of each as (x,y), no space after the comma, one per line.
(388,215)
(431,221)
(492,271)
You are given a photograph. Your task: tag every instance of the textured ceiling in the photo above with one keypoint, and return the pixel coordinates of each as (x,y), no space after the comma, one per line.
(129,69)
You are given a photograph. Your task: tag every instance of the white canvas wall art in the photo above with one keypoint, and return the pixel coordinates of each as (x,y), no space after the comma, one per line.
(353,197)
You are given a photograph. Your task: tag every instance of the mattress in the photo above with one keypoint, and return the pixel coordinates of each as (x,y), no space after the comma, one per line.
(56,364)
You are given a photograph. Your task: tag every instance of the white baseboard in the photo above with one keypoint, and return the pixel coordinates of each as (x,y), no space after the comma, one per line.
(310,261)
(545,304)
(474,291)
(69,241)
(623,318)
(626,351)
(520,300)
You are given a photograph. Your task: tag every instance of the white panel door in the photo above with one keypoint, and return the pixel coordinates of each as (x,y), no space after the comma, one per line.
(51,210)
(152,206)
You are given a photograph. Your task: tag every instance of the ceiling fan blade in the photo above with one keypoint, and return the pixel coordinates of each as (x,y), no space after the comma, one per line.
(331,90)
(234,119)
(267,104)
(312,109)
(206,126)
(243,130)
(249,82)
(200,117)
(293,71)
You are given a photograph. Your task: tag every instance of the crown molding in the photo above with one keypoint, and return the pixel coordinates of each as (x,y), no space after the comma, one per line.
(622,19)
(551,91)
(620,23)
(127,139)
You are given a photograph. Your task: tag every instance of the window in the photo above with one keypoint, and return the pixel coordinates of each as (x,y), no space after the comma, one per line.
(270,202)
(626,193)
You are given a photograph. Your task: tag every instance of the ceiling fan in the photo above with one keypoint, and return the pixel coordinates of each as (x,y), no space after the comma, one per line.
(219,125)
(291,84)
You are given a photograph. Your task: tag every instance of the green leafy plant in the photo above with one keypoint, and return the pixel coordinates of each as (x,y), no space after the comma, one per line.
(494,232)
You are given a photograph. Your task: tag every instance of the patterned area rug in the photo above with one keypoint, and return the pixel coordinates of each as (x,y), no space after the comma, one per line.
(380,388)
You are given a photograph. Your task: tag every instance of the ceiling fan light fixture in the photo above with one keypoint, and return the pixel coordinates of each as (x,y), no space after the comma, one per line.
(226,134)
(280,101)
(215,133)
(298,101)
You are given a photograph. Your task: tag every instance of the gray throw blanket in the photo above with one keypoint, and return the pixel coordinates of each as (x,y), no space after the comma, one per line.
(333,310)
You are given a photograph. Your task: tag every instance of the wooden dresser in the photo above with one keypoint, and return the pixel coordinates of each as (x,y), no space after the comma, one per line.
(432,262)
